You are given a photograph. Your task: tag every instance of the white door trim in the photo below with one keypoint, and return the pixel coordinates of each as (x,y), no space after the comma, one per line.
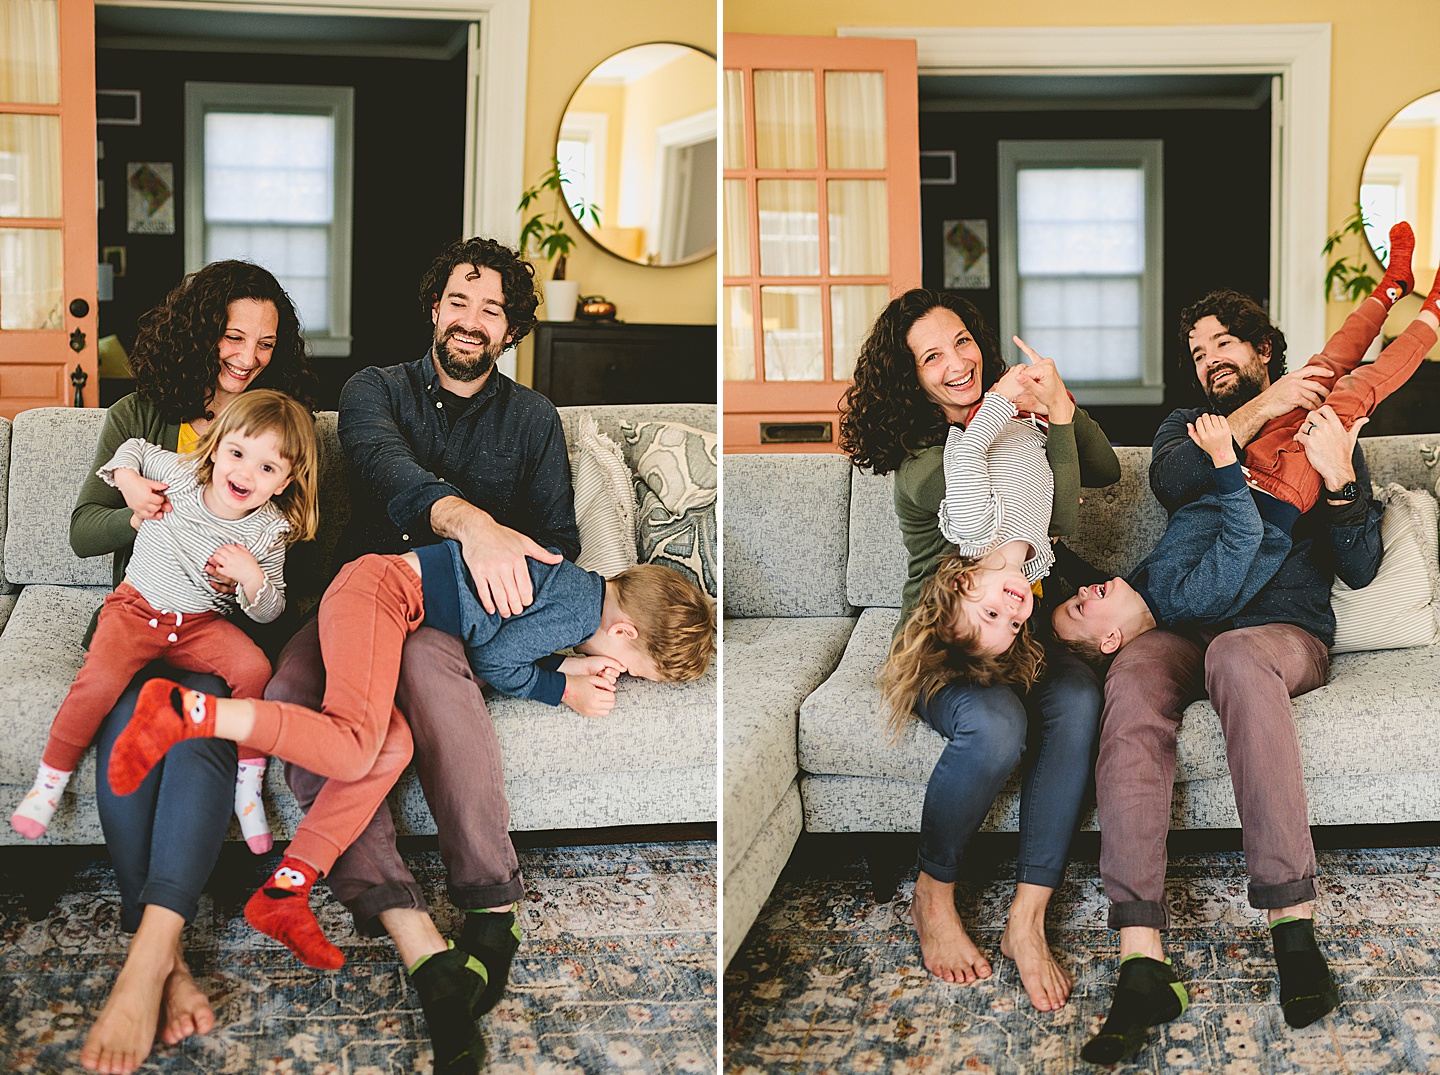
(495,99)
(1297,53)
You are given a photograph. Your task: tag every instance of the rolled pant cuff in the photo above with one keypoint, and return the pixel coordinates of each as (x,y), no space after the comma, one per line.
(1267,897)
(946,875)
(392,895)
(1146,913)
(477,897)
(171,897)
(1043,876)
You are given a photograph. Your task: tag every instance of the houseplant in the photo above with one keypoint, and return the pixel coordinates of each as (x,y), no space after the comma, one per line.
(1347,279)
(544,233)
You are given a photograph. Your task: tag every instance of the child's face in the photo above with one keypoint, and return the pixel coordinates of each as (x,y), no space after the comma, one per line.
(995,606)
(248,472)
(1098,613)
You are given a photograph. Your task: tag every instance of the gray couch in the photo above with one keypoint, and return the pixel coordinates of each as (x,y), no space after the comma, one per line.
(652,761)
(814,565)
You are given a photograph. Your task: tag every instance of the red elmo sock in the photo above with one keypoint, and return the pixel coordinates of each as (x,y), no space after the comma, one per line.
(280,908)
(1399,278)
(165,714)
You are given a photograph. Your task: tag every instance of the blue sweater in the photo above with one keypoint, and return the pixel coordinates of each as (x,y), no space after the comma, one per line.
(513,654)
(1216,554)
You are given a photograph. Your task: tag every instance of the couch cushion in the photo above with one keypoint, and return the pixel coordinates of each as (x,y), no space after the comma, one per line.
(676,482)
(5,431)
(1409,460)
(50,454)
(604,501)
(771,665)
(875,574)
(786,521)
(1401,606)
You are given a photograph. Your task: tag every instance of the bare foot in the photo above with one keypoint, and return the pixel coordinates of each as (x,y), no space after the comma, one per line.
(949,952)
(186,1010)
(121,1038)
(1044,979)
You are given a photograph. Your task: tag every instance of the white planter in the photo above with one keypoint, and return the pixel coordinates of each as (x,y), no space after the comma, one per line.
(560,299)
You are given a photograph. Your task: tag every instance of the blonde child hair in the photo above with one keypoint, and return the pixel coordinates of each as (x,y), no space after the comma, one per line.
(674,619)
(930,652)
(260,411)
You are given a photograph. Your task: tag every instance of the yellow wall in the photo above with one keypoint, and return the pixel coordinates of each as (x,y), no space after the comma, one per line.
(567,39)
(1382,56)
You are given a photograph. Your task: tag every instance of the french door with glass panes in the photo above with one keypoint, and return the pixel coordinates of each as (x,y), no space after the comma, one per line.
(47,203)
(822,224)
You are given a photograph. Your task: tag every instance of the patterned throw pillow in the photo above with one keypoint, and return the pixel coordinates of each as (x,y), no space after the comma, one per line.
(675,483)
(1401,607)
(604,501)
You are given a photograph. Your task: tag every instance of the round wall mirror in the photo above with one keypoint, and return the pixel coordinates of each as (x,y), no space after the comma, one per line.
(638,143)
(1401,181)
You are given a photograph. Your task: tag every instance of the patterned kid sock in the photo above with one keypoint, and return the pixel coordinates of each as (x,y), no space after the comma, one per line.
(32,817)
(1399,279)
(250,805)
(165,714)
(450,984)
(280,908)
(491,937)
(1307,991)
(1147,994)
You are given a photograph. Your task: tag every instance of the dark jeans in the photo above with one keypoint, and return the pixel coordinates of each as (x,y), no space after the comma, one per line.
(165,837)
(987,729)
(457,757)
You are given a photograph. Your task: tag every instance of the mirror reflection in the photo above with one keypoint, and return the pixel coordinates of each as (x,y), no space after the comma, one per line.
(638,140)
(1402,182)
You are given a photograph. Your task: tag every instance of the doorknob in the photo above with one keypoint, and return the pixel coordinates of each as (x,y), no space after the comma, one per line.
(79,307)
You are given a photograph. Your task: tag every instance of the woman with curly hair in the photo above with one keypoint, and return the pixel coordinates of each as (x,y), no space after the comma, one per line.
(926,367)
(223,330)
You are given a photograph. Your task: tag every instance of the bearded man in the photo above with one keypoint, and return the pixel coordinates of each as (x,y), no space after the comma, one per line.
(1250,667)
(445,446)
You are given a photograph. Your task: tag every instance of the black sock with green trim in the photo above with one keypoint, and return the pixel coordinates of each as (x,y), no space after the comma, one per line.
(449,984)
(1147,994)
(1307,991)
(491,937)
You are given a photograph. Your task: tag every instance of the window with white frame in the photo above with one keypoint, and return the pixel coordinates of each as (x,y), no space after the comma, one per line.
(1080,262)
(581,153)
(268,180)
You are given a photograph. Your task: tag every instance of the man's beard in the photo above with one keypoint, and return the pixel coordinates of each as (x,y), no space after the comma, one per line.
(1240,390)
(459,368)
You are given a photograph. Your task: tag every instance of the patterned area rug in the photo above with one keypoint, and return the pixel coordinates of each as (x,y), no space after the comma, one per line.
(829,982)
(617,971)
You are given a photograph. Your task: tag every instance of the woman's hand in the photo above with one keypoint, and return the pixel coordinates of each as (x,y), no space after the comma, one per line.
(607,668)
(144,497)
(1046,388)
(235,564)
(1329,446)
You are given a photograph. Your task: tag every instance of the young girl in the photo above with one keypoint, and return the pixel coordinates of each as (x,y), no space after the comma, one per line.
(236,502)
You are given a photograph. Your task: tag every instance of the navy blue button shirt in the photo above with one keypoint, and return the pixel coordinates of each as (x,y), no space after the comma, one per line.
(505,453)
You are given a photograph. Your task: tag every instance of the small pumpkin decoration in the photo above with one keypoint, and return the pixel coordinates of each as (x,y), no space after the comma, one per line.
(596,308)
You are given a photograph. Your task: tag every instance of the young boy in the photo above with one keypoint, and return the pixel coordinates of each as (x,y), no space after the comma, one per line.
(649,621)
(1220,550)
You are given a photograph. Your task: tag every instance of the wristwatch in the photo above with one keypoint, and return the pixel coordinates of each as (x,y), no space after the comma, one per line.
(1349,492)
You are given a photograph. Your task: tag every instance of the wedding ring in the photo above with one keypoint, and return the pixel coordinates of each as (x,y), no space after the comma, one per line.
(1310,428)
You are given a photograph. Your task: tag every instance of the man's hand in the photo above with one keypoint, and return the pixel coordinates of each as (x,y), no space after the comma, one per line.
(1298,388)
(590,696)
(607,668)
(1329,446)
(144,497)
(494,554)
(236,564)
(1046,389)
(1212,433)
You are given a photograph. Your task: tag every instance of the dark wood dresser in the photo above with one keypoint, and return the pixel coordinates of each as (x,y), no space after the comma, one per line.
(578,363)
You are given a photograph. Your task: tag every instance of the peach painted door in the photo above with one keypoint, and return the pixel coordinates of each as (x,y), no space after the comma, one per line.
(47,203)
(822,224)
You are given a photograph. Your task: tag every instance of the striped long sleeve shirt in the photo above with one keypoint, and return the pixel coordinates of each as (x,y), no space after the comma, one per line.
(168,564)
(998,486)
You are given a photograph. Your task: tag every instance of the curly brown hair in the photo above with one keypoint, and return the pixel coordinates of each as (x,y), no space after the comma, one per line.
(517,280)
(176,359)
(1243,318)
(885,414)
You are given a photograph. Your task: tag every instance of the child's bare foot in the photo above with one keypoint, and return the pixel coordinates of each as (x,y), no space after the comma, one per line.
(949,952)
(122,1036)
(1045,981)
(185,1008)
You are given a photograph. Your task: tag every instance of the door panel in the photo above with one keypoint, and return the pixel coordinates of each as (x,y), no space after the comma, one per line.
(47,203)
(822,224)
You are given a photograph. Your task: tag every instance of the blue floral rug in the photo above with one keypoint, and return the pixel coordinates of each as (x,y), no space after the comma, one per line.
(828,981)
(617,971)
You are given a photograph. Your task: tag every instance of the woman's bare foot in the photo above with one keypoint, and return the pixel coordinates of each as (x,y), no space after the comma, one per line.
(949,952)
(1045,981)
(185,1009)
(121,1038)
